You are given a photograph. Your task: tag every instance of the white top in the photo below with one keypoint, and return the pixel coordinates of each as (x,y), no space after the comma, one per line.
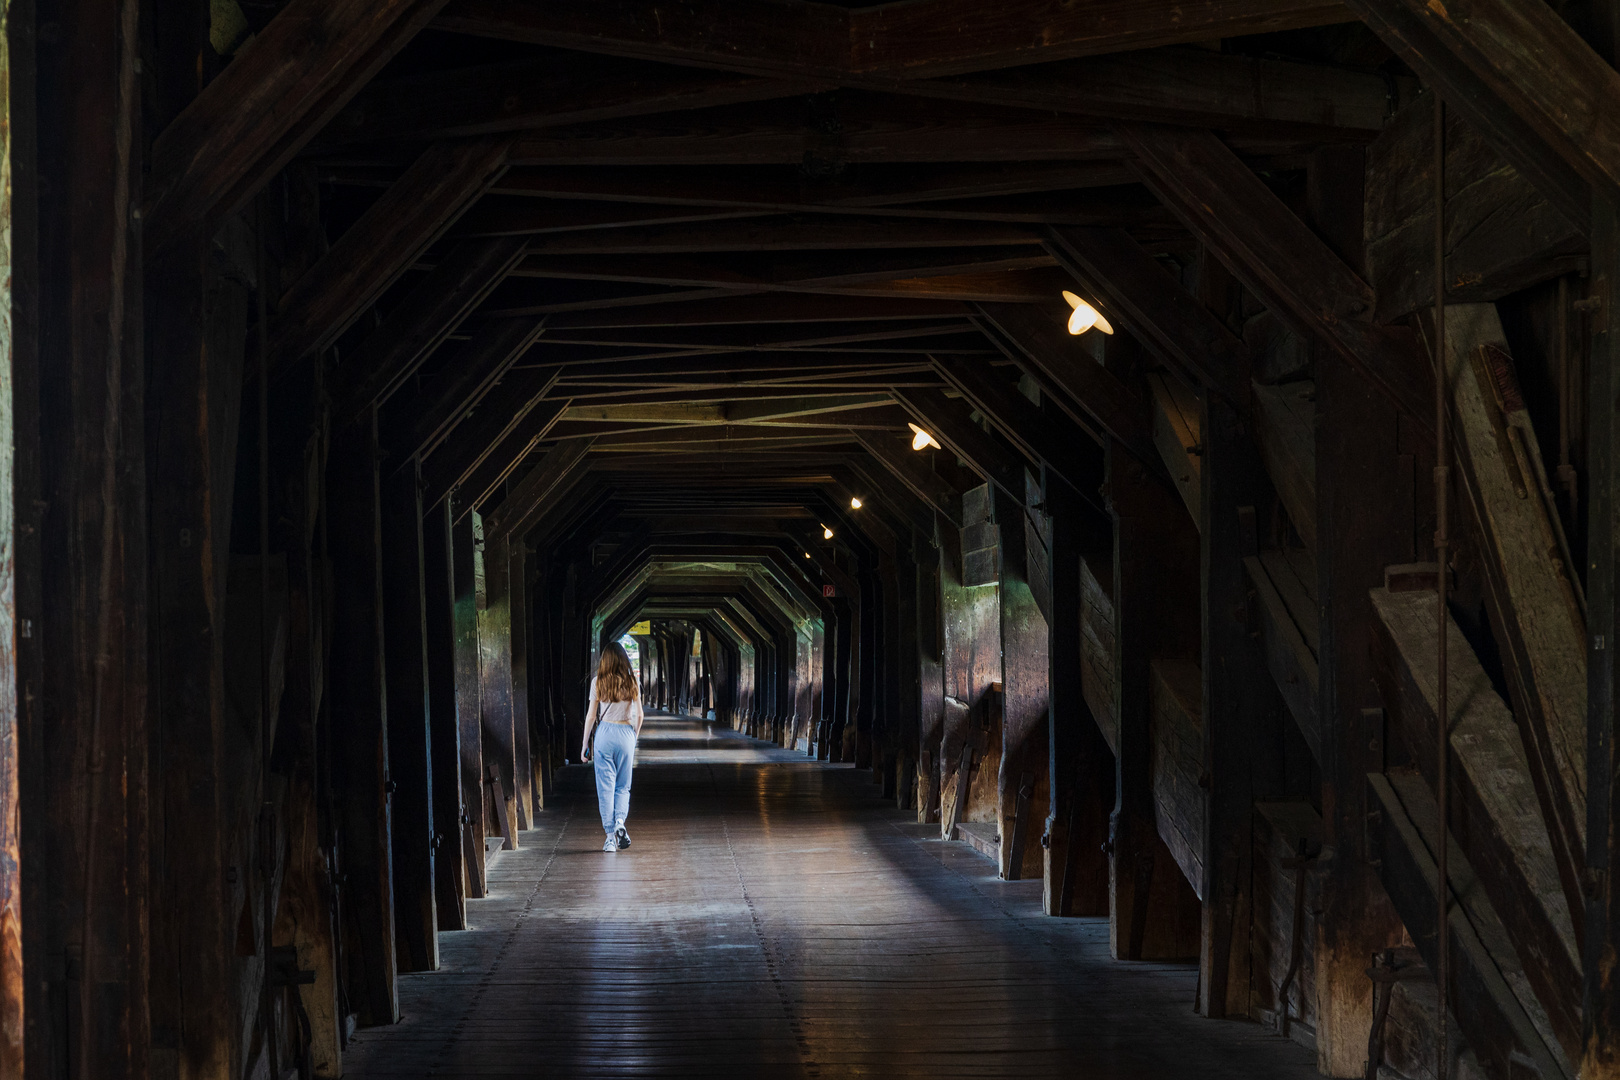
(613,712)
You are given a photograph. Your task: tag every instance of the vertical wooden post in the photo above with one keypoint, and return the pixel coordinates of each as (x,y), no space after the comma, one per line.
(931,689)
(449,866)
(359,702)
(1601,1036)
(1242,710)
(522,751)
(1025,658)
(495,686)
(464,575)
(1079,763)
(409,735)
(1365,522)
(93,613)
(1153,912)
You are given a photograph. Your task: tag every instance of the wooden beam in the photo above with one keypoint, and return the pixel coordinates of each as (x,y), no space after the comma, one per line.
(1041,342)
(912,469)
(1041,436)
(1192,87)
(914,40)
(1278,257)
(450,882)
(477,459)
(471,441)
(421,321)
(465,537)
(1498,811)
(380,246)
(1502,234)
(1134,287)
(822,232)
(741,310)
(278,91)
(550,90)
(416,426)
(799,272)
(1527,80)
(1403,831)
(947,421)
(517,512)
(1535,612)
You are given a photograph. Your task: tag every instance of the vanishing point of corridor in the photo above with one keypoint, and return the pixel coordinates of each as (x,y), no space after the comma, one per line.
(775,917)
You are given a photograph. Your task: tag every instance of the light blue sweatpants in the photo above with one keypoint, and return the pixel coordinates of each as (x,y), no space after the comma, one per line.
(614,754)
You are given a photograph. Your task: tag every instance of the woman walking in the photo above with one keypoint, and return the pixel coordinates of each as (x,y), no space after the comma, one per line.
(615,716)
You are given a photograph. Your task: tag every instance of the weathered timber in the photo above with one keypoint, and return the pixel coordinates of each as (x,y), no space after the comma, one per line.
(547,91)
(912,469)
(360,740)
(1527,80)
(1178,436)
(276,94)
(1241,710)
(1277,256)
(531,496)
(409,704)
(1026,697)
(484,483)
(1153,912)
(1290,657)
(1284,418)
(1150,303)
(1175,717)
(465,540)
(1601,998)
(421,321)
(524,789)
(519,407)
(940,37)
(197,401)
(1403,832)
(1040,437)
(1080,766)
(1367,519)
(495,684)
(415,425)
(1535,614)
(1502,235)
(1498,815)
(1040,341)
(449,868)
(948,421)
(381,245)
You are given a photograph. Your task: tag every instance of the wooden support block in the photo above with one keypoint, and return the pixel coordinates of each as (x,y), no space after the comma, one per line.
(360,747)
(1284,936)
(1496,809)
(1403,831)
(1284,418)
(409,723)
(1289,655)
(1177,765)
(1178,436)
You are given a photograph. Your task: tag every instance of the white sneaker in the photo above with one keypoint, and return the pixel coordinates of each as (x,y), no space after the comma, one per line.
(611,843)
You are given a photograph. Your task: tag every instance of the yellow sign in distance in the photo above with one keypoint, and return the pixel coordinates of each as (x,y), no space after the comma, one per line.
(643,627)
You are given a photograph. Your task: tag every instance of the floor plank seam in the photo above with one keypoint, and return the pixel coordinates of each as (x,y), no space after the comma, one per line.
(806,1058)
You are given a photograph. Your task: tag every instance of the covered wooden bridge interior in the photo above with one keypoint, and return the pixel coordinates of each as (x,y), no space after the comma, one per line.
(369,364)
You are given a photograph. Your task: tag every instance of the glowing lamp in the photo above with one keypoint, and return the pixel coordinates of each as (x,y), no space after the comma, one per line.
(854,502)
(921,439)
(826,533)
(1084,316)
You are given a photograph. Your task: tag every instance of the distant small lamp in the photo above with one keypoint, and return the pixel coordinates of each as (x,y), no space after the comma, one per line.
(807,554)
(921,439)
(826,533)
(1084,316)
(854,502)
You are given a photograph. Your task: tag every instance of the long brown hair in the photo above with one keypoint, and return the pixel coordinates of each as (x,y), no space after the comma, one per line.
(613,679)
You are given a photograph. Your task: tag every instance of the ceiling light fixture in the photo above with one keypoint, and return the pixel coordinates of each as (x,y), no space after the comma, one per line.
(1084,316)
(826,533)
(921,439)
(807,554)
(855,502)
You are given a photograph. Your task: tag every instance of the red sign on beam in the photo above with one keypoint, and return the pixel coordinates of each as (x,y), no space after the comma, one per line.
(828,590)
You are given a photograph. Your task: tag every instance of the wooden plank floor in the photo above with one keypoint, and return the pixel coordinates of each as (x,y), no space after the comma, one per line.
(775,917)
